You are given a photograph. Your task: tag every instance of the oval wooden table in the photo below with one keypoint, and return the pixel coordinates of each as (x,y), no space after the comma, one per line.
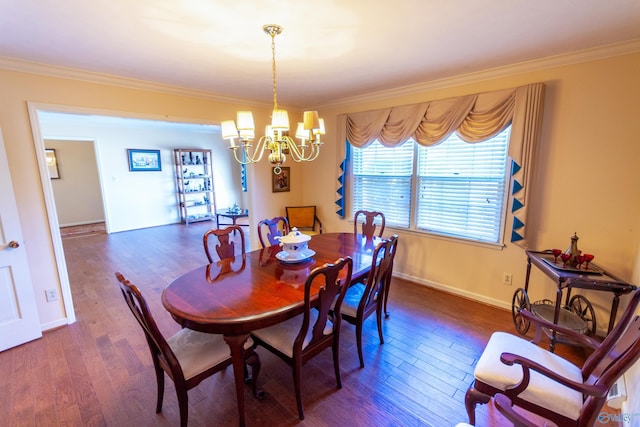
(255,291)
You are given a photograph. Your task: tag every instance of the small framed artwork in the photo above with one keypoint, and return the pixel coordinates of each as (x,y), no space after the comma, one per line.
(144,160)
(282,181)
(52,163)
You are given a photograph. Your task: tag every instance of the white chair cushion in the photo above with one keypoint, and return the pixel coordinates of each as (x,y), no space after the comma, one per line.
(198,351)
(541,391)
(282,335)
(352,300)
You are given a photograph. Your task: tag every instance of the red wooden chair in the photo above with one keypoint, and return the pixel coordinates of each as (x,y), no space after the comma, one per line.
(299,339)
(544,383)
(368,220)
(278,226)
(188,357)
(363,299)
(225,248)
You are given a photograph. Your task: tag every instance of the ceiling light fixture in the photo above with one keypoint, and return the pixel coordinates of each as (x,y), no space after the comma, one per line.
(276,138)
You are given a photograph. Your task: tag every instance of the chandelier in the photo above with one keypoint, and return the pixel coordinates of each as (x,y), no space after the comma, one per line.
(276,138)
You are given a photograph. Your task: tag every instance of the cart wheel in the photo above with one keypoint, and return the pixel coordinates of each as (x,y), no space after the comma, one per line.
(583,308)
(520,301)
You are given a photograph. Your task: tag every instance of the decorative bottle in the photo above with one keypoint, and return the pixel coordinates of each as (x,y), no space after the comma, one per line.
(573,251)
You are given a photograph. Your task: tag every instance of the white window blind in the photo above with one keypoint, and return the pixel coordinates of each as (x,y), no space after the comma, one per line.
(460,188)
(382,181)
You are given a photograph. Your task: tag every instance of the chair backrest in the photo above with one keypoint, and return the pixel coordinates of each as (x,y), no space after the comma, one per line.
(303,217)
(225,248)
(368,219)
(332,288)
(615,355)
(278,226)
(381,264)
(140,310)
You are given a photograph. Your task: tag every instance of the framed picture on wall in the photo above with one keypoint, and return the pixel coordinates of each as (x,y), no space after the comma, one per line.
(281,182)
(52,163)
(144,160)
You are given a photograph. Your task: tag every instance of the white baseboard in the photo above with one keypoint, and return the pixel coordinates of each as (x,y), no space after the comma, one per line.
(455,291)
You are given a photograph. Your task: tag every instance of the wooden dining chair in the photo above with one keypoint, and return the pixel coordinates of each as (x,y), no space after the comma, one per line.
(277,226)
(541,382)
(363,299)
(300,338)
(226,247)
(188,357)
(368,221)
(304,218)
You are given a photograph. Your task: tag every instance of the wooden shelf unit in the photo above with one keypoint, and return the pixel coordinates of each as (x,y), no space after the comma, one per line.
(194,185)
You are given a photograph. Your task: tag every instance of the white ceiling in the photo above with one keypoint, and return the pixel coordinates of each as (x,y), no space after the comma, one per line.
(329,49)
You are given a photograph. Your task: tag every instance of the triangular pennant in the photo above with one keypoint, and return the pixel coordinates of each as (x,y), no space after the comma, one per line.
(340,202)
(517,223)
(517,205)
(516,187)
(340,212)
(341,179)
(515,168)
(515,237)
(340,191)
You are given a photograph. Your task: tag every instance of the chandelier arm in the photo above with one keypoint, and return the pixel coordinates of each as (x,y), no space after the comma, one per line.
(298,154)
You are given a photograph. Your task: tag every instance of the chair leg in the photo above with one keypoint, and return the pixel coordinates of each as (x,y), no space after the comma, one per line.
(183,404)
(296,385)
(160,384)
(386,297)
(379,320)
(336,361)
(253,360)
(471,398)
(359,342)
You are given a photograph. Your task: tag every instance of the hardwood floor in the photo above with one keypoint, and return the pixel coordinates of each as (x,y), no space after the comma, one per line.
(98,371)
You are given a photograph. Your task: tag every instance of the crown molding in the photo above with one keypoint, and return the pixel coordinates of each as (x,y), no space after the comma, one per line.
(591,54)
(48,70)
(586,55)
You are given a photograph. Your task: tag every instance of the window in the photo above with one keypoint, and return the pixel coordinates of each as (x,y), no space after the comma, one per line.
(453,188)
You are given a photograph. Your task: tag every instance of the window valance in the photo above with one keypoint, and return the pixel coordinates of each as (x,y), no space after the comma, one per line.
(474,118)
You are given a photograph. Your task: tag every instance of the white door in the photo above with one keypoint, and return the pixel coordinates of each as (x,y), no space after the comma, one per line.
(19,321)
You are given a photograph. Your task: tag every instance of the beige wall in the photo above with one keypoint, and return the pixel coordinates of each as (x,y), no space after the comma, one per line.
(587,179)
(77,192)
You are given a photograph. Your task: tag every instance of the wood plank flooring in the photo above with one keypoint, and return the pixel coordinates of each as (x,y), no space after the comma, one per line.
(98,371)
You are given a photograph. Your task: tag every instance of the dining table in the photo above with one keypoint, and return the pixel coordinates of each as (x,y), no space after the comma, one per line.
(257,289)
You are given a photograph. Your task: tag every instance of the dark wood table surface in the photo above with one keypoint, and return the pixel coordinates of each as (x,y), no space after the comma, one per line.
(255,291)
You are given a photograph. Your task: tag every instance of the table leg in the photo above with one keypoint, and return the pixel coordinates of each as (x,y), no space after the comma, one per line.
(236,344)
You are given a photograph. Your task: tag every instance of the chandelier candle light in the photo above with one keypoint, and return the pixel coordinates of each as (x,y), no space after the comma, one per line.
(276,138)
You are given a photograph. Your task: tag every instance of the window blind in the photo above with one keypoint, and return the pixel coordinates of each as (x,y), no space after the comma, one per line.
(461,187)
(382,181)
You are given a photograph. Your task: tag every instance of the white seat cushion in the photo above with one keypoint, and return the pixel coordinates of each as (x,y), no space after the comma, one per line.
(198,351)
(541,391)
(282,335)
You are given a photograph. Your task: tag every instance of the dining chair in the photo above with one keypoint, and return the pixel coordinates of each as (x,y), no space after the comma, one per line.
(368,220)
(393,250)
(545,383)
(363,299)
(188,357)
(300,338)
(304,218)
(277,226)
(225,248)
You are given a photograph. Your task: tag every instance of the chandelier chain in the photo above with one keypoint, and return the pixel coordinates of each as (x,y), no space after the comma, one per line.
(273,68)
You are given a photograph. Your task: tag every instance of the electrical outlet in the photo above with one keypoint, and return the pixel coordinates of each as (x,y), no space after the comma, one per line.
(52,295)
(507,278)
